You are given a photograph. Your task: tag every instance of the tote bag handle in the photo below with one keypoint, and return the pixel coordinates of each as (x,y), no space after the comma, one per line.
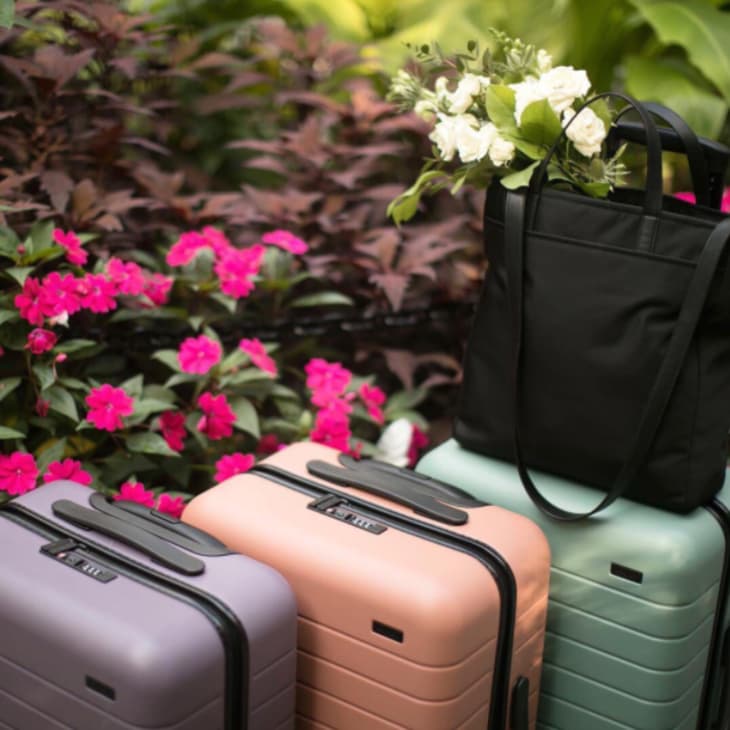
(689,315)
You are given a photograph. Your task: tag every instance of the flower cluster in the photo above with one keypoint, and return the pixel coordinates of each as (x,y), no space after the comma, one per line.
(500,113)
(131,433)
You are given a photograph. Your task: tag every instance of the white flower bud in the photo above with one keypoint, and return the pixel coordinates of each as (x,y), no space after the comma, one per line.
(501,151)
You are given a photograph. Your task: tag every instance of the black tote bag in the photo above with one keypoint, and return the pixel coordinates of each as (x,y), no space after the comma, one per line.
(600,349)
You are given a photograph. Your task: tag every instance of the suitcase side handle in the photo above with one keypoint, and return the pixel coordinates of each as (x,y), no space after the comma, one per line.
(163,525)
(151,545)
(396,490)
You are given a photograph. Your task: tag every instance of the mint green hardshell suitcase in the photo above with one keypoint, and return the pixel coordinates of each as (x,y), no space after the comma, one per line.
(637,631)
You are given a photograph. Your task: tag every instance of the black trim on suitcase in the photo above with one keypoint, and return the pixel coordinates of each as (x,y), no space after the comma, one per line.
(229,628)
(485,554)
(721,513)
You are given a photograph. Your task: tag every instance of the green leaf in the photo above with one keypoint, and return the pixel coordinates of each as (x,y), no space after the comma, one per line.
(180,378)
(404,207)
(133,386)
(249,375)
(146,406)
(132,315)
(501,108)
(75,345)
(8,385)
(700,29)
(540,124)
(10,433)
(52,450)
(169,358)
(45,376)
(73,384)
(405,399)
(150,443)
(7,13)
(62,402)
(595,189)
(246,417)
(19,273)
(229,303)
(234,359)
(40,238)
(666,81)
(160,393)
(519,179)
(195,322)
(7,315)
(529,149)
(322,299)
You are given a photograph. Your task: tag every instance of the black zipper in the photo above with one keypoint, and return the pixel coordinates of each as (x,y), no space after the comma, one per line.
(226,623)
(485,554)
(721,513)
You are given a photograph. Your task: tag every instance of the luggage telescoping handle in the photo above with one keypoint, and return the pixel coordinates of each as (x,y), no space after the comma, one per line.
(151,545)
(390,488)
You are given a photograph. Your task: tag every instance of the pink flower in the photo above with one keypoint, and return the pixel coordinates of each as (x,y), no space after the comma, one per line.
(232,464)
(259,357)
(156,288)
(327,381)
(687,197)
(217,240)
(186,248)
(419,441)
(725,202)
(217,423)
(18,473)
(97,293)
(236,268)
(268,444)
(107,405)
(171,505)
(126,275)
(135,492)
(31,303)
(199,354)
(72,243)
(61,357)
(40,341)
(61,294)
(372,397)
(67,469)
(41,407)
(286,240)
(172,425)
(332,427)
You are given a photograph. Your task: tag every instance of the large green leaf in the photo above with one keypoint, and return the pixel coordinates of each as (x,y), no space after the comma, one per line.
(664,81)
(520,179)
(501,107)
(8,385)
(246,417)
(321,299)
(702,30)
(10,433)
(62,402)
(7,13)
(539,123)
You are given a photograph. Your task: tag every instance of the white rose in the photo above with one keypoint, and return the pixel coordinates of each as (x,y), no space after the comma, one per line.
(393,444)
(474,143)
(587,132)
(444,136)
(525,93)
(544,60)
(562,85)
(468,87)
(501,151)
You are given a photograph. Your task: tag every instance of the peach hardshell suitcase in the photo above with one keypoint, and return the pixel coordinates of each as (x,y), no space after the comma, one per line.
(419,607)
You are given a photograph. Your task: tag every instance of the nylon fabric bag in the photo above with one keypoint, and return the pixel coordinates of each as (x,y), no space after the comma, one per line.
(600,348)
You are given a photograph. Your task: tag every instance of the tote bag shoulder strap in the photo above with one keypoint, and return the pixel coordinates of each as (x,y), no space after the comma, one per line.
(689,315)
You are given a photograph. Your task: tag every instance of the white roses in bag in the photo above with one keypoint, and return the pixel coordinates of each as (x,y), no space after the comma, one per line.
(587,131)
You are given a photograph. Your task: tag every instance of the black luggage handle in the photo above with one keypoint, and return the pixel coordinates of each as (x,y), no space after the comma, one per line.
(396,490)
(439,490)
(158,523)
(151,545)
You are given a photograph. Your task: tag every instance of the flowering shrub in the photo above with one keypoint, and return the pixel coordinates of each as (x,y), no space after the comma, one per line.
(504,113)
(186,416)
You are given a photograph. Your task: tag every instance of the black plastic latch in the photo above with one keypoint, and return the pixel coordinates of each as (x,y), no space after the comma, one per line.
(339,509)
(60,546)
(520,713)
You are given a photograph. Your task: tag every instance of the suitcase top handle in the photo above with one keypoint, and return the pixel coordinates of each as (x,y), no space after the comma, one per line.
(151,545)
(163,525)
(391,486)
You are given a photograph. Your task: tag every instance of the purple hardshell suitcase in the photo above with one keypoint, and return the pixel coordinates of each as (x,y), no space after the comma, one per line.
(115,616)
